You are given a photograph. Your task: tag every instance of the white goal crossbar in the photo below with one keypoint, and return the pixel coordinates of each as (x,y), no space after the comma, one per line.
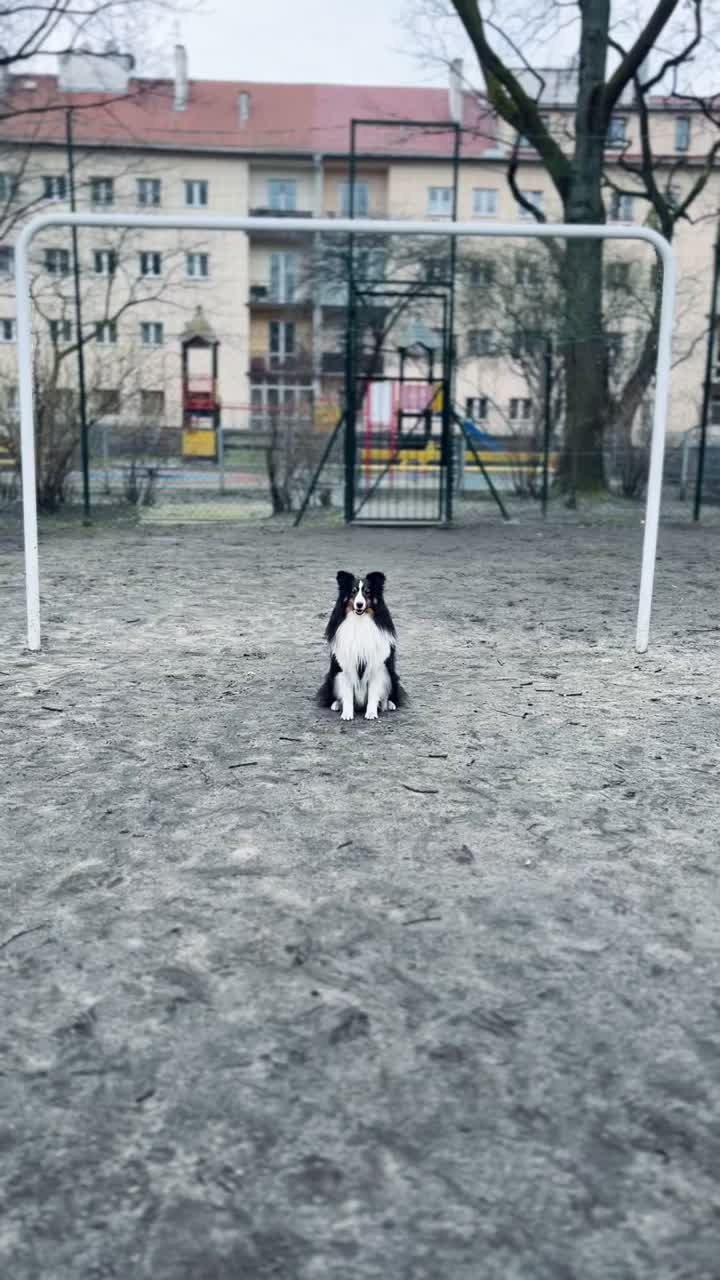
(339,226)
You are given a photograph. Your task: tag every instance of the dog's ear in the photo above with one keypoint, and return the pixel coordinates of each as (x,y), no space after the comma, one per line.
(376,583)
(345,581)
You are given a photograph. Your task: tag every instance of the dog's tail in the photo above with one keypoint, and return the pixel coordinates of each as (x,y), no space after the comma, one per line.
(399,695)
(325,695)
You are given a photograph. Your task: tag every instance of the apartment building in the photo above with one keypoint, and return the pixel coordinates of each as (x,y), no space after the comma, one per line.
(282,149)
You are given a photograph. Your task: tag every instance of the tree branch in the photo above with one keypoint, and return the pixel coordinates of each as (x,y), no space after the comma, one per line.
(507,96)
(636,55)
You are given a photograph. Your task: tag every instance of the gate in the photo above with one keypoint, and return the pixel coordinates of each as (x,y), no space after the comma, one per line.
(398,426)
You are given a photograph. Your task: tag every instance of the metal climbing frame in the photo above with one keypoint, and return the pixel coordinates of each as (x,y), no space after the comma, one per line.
(387,476)
(339,226)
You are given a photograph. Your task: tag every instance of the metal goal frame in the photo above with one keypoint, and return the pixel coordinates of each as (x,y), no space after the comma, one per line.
(354,227)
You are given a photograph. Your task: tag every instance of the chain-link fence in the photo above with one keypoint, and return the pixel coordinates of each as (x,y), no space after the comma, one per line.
(259,471)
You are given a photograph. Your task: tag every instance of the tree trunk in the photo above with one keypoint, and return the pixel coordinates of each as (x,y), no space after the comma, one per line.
(586,373)
(585,356)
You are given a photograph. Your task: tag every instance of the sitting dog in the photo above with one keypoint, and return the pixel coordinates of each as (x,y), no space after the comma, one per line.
(361,635)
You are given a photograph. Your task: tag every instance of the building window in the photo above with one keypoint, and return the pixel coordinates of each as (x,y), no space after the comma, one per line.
(440,202)
(484,202)
(527,272)
(57,262)
(197,266)
(7,330)
(521,142)
(282,339)
(149,193)
(196,191)
(282,194)
(102,191)
(283,277)
(8,187)
(151,333)
(105,262)
(682,133)
(482,273)
(617,131)
(621,209)
(106,333)
(55,186)
(535,198)
(152,404)
(476,407)
(7,260)
(480,342)
(714,408)
(519,410)
(617,275)
(106,402)
(60,331)
(361,201)
(150,264)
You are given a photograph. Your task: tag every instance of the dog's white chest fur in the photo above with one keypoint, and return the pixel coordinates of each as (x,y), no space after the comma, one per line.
(361,649)
(360,646)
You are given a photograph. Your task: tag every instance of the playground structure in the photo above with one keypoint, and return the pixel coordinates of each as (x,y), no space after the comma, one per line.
(343,227)
(200,399)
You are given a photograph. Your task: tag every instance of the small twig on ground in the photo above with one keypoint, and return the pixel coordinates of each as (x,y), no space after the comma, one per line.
(421,791)
(422,920)
(242,764)
(21,934)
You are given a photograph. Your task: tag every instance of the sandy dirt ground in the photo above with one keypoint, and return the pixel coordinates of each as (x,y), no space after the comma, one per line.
(289,999)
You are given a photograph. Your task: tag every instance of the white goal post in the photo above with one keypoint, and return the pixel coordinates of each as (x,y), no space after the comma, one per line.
(338,226)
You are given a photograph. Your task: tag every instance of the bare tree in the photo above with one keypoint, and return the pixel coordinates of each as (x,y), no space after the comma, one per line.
(114,363)
(610,58)
(36,30)
(512,304)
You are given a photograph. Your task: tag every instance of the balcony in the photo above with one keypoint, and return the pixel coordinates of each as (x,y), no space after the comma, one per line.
(373,214)
(270,233)
(262,296)
(262,211)
(333,364)
(278,368)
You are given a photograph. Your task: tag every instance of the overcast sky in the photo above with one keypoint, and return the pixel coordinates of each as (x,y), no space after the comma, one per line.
(336,41)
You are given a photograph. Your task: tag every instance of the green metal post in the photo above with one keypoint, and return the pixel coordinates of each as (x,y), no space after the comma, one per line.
(350,397)
(707,384)
(547,360)
(84,435)
(449,352)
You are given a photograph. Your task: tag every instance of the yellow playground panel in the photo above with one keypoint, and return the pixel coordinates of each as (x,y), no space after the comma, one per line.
(199,442)
(429,457)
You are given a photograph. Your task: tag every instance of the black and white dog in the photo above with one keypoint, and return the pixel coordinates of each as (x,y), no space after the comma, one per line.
(361,635)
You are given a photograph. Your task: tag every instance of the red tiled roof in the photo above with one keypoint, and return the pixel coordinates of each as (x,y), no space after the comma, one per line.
(283,117)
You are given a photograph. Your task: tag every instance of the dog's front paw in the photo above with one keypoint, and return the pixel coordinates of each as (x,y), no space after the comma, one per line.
(347,714)
(335,706)
(371,713)
(391,706)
